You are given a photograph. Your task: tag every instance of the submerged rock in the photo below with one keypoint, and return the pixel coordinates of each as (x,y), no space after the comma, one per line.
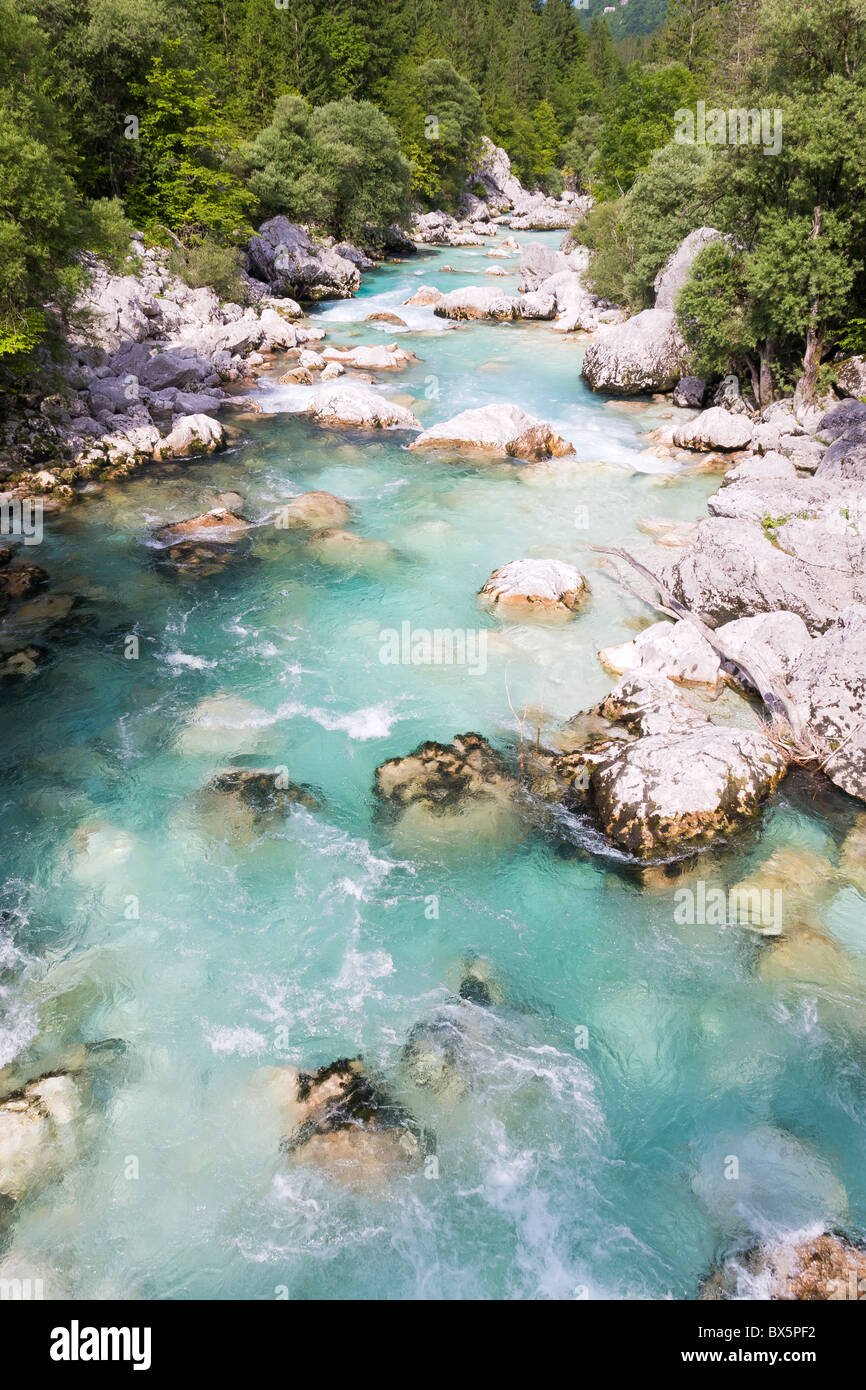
(385,316)
(346,550)
(224,724)
(806,1267)
(443,775)
(537,589)
(203,545)
(39,1133)
(498,429)
(218,524)
(264,794)
(440,1055)
(316,511)
(715,429)
(341,1120)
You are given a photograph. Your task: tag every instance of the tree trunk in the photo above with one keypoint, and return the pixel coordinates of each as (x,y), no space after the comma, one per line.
(767,384)
(804,391)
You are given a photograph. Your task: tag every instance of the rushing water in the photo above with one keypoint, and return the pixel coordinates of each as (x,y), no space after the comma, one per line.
(569,1170)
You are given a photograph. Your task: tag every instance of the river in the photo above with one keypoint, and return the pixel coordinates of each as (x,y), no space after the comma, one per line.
(632,1055)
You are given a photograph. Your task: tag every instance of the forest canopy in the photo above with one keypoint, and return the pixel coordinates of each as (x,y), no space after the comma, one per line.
(194,120)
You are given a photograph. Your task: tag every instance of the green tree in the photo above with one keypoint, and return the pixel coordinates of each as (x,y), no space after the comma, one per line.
(42,220)
(100,50)
(185,186)
(453,122)
(280,155)
(641,120)
(714,315)
(339,165)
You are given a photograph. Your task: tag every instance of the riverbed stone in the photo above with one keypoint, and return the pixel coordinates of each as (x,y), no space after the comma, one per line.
(714,429)
(342,1121)
(805,1267)
(316,511)
(502,429)
(348,406)
(645,353)
(542,590)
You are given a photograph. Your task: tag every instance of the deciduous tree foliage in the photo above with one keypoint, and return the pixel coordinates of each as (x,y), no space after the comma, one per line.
(336,111)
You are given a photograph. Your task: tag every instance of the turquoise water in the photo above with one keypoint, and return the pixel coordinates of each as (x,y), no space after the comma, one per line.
(569,1170)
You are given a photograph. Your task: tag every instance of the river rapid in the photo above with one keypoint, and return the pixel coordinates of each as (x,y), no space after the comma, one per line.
(632,1054)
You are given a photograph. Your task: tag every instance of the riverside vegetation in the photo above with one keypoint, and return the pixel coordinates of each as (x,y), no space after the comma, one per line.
(324,324)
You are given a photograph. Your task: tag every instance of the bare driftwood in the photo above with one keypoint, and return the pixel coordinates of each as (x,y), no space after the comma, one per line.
(775,694)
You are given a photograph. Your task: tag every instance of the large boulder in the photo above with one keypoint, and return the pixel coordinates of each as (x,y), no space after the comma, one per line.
(370,359)
(343,1122)
(493,174)
(441,229)
(538,263)
(842,419)
(498,429)
(537,213)
(714,429)
(115,309)
(851,377)
(537,589)
(771,544)
(675,273)
(645,353)
(191,436)
(689,392)
(351,406)
(682,785)
(284,256)
(180,368)
(845,459)
(773,642)
(484,302)
(805,1267)
(828,683)
(675,650)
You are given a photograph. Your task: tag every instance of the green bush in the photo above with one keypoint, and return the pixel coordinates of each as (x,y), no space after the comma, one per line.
(109,235)
(339,166)
(206,263)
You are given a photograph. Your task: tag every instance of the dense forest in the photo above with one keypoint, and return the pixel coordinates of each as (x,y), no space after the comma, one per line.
(195,119)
